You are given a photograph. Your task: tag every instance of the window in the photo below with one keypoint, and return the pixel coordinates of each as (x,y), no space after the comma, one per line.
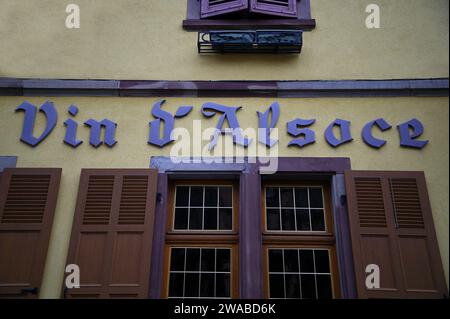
(299,252)
(201,240)
(204,15)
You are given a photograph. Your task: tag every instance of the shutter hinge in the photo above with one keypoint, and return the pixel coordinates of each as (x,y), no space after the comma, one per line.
(159,197)
(343,199)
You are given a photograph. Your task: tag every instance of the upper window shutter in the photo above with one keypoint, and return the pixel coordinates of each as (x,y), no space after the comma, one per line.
(27,205)
(210,8)
(112,233)
(392,226)
(283,8)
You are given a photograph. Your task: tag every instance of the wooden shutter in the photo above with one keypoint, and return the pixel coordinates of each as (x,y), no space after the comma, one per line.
(210,8)
(283,8)
(27,205)
(112,233)
(392,226)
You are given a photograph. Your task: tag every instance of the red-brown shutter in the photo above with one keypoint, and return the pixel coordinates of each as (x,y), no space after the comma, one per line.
(112,233)
(283,8)
(392,226)
(210,8)
(27,205)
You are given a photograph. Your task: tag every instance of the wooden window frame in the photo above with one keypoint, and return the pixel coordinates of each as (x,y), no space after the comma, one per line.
(334,271)
(202,238)
(234,266)
(194,22)
(301,239)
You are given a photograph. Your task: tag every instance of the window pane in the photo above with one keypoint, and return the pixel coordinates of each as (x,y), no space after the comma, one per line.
(182,194)
(177,259)
(210,218)
(306,261)
(191,288)
(288,219)
(223,285)
(322,261)
(276,285)
(181,218)
(211,196)
(223,260)
(291,260)
(273,219)
(301,197)
(315,197)
(176,285)
(195,218)
(303,220)
(272,197)
(192,259)
(208,259)
(207,285)
(275,260)
(225,218)
(287,197)
(196,196)
(324,290)
(225,197)
(317,220)
(292,283)
(308,286)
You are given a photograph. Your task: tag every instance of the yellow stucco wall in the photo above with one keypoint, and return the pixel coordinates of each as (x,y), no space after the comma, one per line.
(132,150)
(143,39)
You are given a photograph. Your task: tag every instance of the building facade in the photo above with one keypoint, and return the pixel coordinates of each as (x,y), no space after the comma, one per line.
(224,149)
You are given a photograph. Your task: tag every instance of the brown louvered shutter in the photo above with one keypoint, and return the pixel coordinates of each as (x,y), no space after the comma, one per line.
(392,226)
(112,233)
(27,205)
(283,8)
(211,8)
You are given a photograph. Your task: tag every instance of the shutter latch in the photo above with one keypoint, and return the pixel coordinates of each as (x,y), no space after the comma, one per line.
(343,200)
(159,197)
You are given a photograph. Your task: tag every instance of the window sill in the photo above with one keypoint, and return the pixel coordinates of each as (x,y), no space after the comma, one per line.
(290,24)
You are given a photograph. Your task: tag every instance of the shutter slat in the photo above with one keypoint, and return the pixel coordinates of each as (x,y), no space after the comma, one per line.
(98,200)
(284,8)
(406,202)
(210,8)
(369,199)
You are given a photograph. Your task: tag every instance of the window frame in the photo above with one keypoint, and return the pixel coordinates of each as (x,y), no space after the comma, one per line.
(194,22)
(234,266)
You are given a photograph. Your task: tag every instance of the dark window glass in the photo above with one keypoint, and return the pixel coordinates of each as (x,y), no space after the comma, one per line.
(191,287)
(196,196)
(303,220)
(306,261)
(308,286)
(223,285)
(288,219)
(315,197)
(272,197)
(208,259)
(176,285)
(225,218)
(195,218)
(324,290)
(322,261)
(291,260)
(192,259)
(210,222)
(275,260)
(225,197)
(182,196)
(292,283)
(273,219)
(301,197)
(317,220)
(276,285)
(181,218)
(210,196)
(287,197)
(206,285)
(223,260)
(177,259)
